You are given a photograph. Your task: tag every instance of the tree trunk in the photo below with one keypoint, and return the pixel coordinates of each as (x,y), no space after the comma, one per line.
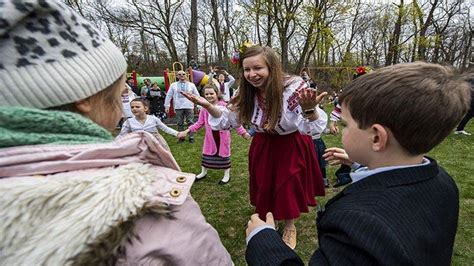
(393,46)
(217,32)
(422,45)
(192,51)
(316,16)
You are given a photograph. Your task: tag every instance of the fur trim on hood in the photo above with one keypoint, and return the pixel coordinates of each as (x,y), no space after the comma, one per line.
(75,218)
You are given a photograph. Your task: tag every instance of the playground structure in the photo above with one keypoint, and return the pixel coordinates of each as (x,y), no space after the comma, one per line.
(198,77)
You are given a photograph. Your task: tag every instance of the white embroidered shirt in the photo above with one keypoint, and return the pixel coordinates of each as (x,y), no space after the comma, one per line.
(291,118)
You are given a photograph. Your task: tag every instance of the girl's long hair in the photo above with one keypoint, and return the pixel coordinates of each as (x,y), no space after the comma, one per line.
(244,102)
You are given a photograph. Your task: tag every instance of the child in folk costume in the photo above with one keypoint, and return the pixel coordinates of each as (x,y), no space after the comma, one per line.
(127,96)
(156,97)
(320,147)
(144,122)
(216,146)
(284,174)
(225,86)
(318,141)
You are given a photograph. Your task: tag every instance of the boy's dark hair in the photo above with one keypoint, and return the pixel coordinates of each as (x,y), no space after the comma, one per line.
(419,102)
(145,102)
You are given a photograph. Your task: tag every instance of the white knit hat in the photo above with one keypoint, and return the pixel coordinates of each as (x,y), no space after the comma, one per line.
(51,56)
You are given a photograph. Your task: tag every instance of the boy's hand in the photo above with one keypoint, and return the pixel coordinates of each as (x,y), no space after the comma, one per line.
(337,156)
(333,128)
(255,222)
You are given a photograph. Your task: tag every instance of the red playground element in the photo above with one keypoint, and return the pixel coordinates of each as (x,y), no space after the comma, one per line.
(167,76)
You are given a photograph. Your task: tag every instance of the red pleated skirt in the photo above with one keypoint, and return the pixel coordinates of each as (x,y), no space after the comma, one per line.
(284,175)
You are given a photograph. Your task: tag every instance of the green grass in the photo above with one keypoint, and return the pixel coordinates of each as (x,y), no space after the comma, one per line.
(227,208)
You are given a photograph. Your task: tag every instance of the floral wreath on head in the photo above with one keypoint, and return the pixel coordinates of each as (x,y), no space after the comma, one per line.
(235,59)
(361,70)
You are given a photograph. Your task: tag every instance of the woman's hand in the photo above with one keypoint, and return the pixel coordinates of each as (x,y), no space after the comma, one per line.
(212,109)
(309,98)
(196,99)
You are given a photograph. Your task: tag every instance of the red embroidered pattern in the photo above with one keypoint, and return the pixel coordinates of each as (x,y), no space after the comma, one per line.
(293,99)
(261,105)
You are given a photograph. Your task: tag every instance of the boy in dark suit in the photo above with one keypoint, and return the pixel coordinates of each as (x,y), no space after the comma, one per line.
(402,208)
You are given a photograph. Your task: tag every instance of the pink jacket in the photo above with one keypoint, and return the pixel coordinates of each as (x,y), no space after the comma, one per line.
(209,145)
(59,201)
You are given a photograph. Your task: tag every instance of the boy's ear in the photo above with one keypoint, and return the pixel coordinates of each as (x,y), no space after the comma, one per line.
(380,137)
(84,106)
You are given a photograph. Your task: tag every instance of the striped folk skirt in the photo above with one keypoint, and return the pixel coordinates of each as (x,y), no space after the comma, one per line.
(215,161)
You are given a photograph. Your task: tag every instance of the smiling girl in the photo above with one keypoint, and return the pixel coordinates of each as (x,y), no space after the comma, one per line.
(216,146)
(284,172)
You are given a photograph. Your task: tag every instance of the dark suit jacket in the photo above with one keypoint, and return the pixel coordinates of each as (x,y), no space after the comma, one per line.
(404,216)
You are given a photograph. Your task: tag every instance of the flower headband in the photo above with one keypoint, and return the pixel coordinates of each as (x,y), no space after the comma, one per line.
(235,59)
(361,70)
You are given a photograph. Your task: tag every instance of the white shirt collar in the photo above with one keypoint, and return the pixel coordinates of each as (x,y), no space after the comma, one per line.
(364,172)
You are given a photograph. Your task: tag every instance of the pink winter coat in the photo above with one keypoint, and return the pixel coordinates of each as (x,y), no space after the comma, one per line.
(59,201)
(209,145)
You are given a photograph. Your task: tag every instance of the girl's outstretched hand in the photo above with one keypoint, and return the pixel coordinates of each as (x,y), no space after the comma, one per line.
(337,156)
(195,99)
(309,98)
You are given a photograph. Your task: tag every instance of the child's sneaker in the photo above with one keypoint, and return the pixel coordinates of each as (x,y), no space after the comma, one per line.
(462,132)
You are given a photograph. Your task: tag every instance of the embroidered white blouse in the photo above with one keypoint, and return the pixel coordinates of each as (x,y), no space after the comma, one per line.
(179,101)
(291,118)
(151,125)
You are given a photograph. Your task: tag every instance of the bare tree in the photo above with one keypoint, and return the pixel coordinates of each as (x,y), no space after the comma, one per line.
(354,25)
(217,31)
(423,43)
(284,13)
(393,47)
(192,51)
(154,33)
